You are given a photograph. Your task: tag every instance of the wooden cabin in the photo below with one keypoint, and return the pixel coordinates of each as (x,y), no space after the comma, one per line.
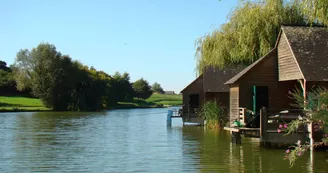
(193,98)
(208,86)
(257,86)
(299,60)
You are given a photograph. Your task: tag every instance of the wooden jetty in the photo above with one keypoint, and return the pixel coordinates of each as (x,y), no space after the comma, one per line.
(268,132)
(190,117)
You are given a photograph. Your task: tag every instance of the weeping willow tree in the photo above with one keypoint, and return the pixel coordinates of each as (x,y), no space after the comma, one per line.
(316,11)
(252,30)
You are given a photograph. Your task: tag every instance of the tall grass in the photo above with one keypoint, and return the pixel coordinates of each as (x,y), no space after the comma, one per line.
(216,116)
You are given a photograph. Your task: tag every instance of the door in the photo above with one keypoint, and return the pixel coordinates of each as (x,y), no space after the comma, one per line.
(260,100)
(194,100)
(262,97)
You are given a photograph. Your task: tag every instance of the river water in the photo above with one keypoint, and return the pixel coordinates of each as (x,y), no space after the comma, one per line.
(134,140)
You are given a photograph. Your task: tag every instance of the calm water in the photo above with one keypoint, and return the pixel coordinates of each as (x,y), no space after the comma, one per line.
(135,140)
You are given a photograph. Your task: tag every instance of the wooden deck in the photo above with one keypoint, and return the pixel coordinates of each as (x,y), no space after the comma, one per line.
(268,133)
(247,132)
(190,116)
(241,129)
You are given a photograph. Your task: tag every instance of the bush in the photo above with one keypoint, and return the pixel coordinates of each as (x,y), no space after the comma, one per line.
(316,111)
(215,115)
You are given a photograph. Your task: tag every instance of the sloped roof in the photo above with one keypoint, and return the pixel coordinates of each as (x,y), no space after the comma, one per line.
(214,79)
(310,48)
(248,68)
(199,77)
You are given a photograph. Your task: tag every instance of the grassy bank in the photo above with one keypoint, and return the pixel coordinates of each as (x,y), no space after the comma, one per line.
(154,101)
(19,104)
(24,104)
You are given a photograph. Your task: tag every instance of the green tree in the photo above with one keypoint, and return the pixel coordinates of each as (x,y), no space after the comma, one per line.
(8,84)
(251,31)
(122,87)
(142,89)
(315,10)
(60,83)
(156,87)
(46,72)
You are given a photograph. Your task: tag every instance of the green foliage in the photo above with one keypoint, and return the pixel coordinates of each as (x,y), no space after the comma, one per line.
(63,84)
(60,83)
(215,115)
(122,87)
(6,79)
(7,82)
(294,152)
(156,87)
(45,71)
(315,10)
(316,112)
(142,89)
(252,30)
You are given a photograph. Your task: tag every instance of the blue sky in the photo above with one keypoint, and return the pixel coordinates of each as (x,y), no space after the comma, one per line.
(153,39)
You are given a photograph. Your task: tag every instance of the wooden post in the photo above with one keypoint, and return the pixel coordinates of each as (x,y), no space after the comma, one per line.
(263,125)
(309,126)
(235,137)
(169,118)
(304,90)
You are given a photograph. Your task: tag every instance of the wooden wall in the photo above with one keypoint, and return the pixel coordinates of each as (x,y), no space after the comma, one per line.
(234,102)
(310,85)
(221,97)
(288,68)
(263,74)
(196,87)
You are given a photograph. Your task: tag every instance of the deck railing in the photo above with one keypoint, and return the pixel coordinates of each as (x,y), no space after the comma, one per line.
(189,111)
(270,131)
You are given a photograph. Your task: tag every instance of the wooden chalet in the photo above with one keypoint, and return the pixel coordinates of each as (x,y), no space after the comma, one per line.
(192,99)
(299,60)
(208,86)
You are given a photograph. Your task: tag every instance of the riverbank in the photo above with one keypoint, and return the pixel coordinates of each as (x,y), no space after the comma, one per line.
(24,104)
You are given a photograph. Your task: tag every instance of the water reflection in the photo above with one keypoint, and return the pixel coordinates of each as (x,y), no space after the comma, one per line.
(42,139)
(132,141)
(215,153)
(35,143)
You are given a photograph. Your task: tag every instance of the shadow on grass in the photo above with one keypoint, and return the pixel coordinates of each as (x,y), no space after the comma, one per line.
(15,105)
(10,105)
(137,103)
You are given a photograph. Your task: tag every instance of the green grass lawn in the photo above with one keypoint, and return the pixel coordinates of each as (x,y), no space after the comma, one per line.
(20,104)
(32,104)
(156,100)
(165,99)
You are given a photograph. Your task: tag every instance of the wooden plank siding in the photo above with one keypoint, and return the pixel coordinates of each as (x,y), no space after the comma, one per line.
(264,74)
(196,87)
(234,102)
(221,97)
(288,68)
(311,85)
